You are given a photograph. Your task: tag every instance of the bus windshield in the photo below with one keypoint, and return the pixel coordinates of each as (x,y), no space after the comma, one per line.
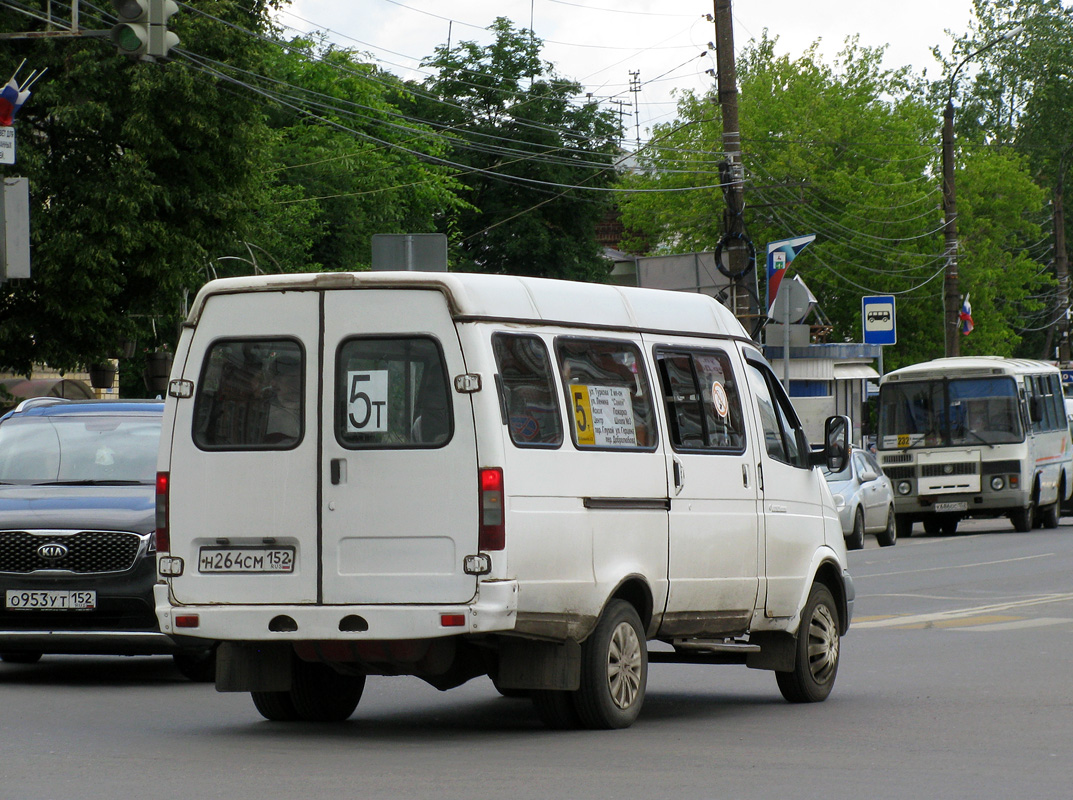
(949,413)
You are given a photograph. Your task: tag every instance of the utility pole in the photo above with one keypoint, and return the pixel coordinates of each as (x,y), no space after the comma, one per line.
(1061,267)
(951,290)
(727,86)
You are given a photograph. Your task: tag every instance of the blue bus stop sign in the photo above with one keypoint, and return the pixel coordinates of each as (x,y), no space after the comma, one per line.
(877,314)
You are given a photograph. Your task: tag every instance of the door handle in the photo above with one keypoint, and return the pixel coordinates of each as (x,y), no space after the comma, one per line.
(338,471)
(679,476)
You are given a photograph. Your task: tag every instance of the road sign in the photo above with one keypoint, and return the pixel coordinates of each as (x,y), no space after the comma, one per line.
(7,145)
(877,313)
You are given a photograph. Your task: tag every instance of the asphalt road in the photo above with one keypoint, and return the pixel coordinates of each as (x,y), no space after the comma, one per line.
(955,682)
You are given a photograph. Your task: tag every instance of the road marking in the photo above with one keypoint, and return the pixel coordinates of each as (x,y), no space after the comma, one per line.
(955,566)
(922,620)
(1018,624)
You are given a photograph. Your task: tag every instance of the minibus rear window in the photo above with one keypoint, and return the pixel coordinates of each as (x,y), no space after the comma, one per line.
(530,402)
(250,395)
(608,394)
(391,393)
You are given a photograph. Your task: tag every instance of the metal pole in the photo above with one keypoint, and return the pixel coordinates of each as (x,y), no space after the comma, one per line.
(951,296)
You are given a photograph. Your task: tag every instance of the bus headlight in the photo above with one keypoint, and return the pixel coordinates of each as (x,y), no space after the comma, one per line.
(904,487)
(997,483)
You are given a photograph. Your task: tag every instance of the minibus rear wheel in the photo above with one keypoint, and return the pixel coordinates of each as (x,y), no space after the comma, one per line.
(320,694)
(614,669)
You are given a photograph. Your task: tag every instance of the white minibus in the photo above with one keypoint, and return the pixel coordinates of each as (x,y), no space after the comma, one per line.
(454,476)
(975,436)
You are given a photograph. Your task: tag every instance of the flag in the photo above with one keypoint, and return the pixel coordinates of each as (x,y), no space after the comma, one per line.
(11,100)
(966,317)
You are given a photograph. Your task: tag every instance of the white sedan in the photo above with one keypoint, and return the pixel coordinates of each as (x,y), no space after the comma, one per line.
(864,498)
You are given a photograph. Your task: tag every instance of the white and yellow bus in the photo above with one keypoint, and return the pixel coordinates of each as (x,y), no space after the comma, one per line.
(977,436)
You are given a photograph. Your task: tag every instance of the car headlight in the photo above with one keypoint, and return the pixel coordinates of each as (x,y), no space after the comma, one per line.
(904,487)
(997,483)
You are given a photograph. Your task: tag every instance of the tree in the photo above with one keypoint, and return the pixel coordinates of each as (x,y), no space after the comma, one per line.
(533,162)
(342,148)
(140,174)
(848,152)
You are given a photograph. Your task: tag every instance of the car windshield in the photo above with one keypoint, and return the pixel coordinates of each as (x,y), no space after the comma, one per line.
(79,449)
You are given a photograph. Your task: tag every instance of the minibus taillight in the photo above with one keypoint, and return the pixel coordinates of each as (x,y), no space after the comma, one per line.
(163,536)
(493,531)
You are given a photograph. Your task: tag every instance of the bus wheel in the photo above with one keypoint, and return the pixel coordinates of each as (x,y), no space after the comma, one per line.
(903,526)
(932,526)
(1049,515)
(1022,519)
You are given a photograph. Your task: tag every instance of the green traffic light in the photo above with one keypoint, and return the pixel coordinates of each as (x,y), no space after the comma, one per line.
(129,38)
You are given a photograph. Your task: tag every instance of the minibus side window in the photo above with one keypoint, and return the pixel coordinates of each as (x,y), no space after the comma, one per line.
(250,395)
(702,401)
(607,394)
(777,417)
(392,393)
(530,400)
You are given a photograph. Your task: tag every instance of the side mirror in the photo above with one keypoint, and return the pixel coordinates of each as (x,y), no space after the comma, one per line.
(835,450)
(867,476)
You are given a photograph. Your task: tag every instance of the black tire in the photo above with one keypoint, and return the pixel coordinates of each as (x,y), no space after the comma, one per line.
(1022,519)
(1048,516)
(20,658)
(614,669)
(932,526)
(320,694)
(197,665)
(855,541)
(818,645)
(889,535)
(949,525)
(275,706)
(556,709)
(903,526)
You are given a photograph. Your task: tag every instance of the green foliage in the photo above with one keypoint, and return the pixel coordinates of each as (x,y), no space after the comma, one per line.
(848,152)
(531,159)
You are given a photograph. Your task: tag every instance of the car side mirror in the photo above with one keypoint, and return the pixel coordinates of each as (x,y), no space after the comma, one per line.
(835,451)
(867,476)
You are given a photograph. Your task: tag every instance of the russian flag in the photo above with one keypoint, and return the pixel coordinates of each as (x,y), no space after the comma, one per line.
(966,317)
(11,100)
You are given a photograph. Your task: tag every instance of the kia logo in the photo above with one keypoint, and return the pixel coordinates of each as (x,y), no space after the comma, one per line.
(53,551)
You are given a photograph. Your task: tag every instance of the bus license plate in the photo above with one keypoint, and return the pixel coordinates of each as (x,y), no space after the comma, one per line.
(941,507)
(51,600)
(245,559)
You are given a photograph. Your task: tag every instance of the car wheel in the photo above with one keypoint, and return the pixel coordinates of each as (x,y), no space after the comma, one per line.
(275,706)
(818,644)
(320,694)
(889,535)
(614,669)
(855,541)
(197,665)
(20,658)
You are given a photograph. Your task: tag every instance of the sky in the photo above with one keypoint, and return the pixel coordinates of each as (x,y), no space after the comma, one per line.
(633,53)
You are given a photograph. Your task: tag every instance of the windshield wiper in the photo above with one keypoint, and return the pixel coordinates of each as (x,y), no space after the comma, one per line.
(981,438)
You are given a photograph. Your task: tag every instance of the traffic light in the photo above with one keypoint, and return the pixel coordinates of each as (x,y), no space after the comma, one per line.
(142,29)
